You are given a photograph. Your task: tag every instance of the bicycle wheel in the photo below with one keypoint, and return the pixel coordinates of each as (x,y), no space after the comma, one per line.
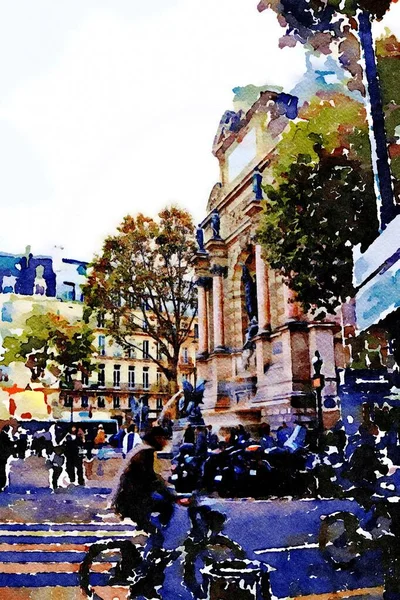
(203,553)
(129,559)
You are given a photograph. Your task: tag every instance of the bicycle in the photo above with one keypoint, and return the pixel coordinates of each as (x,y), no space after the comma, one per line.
(142,567)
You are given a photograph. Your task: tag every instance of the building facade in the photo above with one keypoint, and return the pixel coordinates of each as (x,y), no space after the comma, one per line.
(257,350)
(119,383)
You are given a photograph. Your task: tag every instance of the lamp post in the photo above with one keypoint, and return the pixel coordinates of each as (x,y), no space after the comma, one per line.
(318,385)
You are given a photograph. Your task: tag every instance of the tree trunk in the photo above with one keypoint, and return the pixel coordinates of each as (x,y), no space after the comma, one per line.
(380,154)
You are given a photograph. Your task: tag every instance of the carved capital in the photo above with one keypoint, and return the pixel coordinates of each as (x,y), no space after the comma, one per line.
(204,282)
(219,270)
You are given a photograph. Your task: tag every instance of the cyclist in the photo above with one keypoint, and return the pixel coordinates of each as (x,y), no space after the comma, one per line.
(142,492)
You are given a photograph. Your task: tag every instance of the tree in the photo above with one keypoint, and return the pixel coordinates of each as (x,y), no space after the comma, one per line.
(322,202)
(143,282)
(320,23)
(50,342)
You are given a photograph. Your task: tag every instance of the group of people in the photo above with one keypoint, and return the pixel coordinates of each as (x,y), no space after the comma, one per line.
(204,438)
(71,453)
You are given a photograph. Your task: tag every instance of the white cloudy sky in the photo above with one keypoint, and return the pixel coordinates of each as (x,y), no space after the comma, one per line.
(109,107)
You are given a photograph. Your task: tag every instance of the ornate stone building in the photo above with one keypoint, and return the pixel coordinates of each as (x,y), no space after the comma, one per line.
(257,351)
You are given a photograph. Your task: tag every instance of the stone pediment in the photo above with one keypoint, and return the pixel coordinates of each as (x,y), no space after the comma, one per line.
(279,105)
(230,123)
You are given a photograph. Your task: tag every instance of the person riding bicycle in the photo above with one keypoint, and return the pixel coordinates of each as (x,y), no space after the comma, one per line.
(142,492)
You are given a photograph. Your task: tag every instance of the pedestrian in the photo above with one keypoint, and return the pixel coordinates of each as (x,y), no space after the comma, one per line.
(189,435)
(21,440)
(242,435)
(100,439)
(167,424)
(233,437)
(89,457)
(55,461)
(266,440)
(117,440)
(74,452)
(297,438)
(131,440)
(142,492)
(7,449)
(212,438)
(282,434)
(201,442)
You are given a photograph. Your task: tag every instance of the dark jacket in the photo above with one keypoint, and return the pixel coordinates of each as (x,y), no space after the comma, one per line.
(138,486)
(7,446)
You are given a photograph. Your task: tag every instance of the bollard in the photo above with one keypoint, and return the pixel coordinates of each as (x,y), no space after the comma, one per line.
(238,579)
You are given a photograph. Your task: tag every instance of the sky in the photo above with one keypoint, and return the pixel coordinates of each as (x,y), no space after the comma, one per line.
(110,107)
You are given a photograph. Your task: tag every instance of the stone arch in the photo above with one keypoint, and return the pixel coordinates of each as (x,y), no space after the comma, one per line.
(245,257)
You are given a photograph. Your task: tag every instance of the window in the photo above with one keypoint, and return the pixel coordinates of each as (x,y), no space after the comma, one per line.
(146,349)
(159,353)
(101,402)
(117,376)
(159,404)
(131,377)
(102,345)
(84,402)
(116,402)
(68,291)
(185,356)
(68,402)
(6,312)
(3,375)
(101,319)
(146,378)
(101,376)
(159,378)
(85,377)
(196,331)
(145,325)
(117,351)
(131,353)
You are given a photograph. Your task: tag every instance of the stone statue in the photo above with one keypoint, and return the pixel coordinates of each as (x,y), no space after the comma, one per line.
(250,293)
(317,363)
(189,405)
(257,189)
(215,224)
(200,239)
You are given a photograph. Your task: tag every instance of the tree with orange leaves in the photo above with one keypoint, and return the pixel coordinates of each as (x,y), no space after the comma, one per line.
(143,283)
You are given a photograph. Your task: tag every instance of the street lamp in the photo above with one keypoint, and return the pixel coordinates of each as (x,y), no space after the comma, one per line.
(318,382)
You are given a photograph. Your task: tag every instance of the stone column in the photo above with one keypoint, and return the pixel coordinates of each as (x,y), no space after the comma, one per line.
(203,284)
(263,306)
(292,311)
(219,272)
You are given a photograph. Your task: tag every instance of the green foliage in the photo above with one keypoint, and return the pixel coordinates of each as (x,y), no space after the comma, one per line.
(322,203)
(51,342)
(143,282)
(336,120)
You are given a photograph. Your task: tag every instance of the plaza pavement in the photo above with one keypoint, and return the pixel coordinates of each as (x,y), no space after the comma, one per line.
(43,538)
